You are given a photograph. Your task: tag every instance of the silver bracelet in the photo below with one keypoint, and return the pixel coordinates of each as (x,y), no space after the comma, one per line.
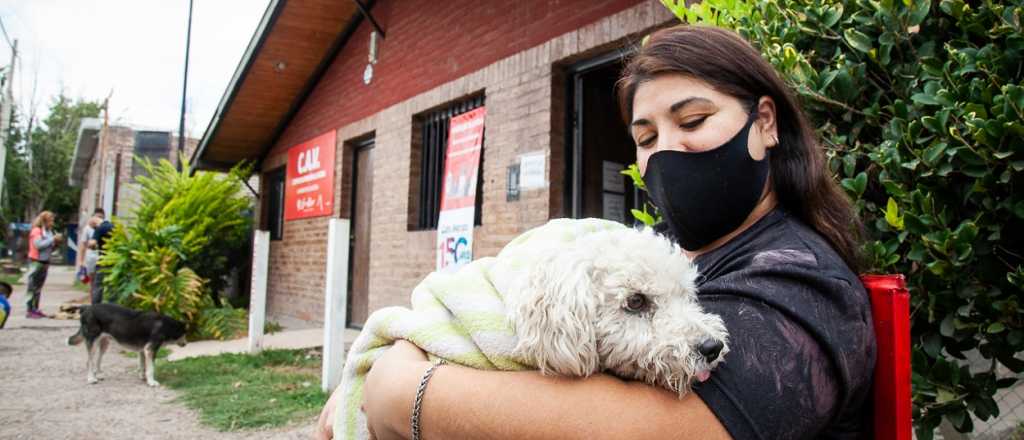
(418,404)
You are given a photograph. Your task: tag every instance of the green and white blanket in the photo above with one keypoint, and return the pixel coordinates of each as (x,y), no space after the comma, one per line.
(459,317)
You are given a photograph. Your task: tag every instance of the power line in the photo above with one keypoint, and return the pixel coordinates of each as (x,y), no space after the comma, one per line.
(6,37)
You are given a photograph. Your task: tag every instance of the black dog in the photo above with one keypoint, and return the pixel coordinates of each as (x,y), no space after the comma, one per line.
(143,332)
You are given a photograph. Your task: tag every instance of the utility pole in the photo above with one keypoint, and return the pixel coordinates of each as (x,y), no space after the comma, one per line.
(6,110)
(101,151)
(184,89)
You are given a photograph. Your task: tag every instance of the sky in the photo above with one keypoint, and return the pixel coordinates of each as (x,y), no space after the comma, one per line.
(132,50)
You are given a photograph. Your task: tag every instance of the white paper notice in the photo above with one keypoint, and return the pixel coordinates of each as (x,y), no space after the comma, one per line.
(614,207)
(611,180)
(531,171)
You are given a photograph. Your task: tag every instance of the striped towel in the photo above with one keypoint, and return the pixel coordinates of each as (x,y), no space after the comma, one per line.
(459,317)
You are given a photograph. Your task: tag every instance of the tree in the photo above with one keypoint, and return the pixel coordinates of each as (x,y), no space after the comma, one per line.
(15,196)
(48,152)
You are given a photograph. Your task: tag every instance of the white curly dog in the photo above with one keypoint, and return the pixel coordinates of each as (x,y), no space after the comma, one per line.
(622,301)
(571,298)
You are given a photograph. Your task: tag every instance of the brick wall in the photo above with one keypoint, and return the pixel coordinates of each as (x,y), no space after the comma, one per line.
(117,146)
(431,42)
(295,281)
(525,101)
(116,150)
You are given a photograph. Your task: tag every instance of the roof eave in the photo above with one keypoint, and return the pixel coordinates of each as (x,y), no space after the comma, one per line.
(259,37)
(85,148)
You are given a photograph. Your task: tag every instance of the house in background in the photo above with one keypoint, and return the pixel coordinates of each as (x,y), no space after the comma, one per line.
(374,86)
(104,165)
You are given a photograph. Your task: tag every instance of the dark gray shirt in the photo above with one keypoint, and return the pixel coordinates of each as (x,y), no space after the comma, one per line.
(801,337)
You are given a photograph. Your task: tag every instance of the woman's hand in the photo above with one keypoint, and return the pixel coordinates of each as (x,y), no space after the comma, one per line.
(401,360)
(325,424)
(390,390)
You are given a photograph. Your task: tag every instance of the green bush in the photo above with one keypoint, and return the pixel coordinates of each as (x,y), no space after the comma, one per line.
(172,257)
(145,272)
(211,209)
(222,323)
(921,109)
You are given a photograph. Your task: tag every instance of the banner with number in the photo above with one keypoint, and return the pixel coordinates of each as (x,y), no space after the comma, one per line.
(458,196)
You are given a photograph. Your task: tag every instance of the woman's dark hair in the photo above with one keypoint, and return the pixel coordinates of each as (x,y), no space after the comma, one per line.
(732,66)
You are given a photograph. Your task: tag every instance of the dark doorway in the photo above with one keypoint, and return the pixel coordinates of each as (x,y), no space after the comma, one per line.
(359,240)
(599,145)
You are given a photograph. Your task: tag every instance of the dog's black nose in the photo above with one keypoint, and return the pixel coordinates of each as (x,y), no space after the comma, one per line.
(710,349)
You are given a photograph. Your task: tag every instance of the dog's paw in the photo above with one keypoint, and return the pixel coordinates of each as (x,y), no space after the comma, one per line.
(152,383)
(92,380)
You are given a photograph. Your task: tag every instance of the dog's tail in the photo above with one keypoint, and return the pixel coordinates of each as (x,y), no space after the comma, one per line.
(71,308)
(76,338)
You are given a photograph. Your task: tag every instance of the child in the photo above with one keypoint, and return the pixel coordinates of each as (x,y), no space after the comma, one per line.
(91,258)
(84,274)
(5,306)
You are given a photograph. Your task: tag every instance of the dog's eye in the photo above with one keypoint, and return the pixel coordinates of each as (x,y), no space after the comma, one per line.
(636,303)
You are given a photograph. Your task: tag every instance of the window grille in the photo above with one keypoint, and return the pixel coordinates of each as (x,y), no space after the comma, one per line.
(434,143)
(275,203)
(152,145)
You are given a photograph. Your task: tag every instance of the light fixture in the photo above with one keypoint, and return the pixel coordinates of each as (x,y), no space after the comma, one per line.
(372,56)
(280,66)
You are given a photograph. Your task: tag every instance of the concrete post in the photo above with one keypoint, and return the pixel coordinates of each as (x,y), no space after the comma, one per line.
(335,303)
(258,293)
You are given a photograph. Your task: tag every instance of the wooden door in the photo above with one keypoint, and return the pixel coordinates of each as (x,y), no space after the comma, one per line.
(362,192)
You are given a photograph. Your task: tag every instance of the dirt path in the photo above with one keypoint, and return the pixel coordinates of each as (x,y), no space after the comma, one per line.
(45,396)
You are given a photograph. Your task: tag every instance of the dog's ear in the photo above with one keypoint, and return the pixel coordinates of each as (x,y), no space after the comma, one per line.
(554,315)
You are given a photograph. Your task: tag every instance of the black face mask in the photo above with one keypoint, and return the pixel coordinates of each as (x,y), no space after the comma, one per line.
(704,196)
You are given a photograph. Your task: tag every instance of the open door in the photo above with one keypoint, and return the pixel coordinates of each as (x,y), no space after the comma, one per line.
(600,145)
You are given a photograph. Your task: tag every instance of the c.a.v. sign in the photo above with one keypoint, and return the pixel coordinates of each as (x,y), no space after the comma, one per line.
(309,185)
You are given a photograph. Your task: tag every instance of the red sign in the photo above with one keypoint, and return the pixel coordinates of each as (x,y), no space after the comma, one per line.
(462,162)
(458,196)
(309,185)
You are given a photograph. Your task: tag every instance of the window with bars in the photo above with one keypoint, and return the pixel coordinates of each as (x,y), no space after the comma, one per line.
(273,219)
(432,145)
(152,145)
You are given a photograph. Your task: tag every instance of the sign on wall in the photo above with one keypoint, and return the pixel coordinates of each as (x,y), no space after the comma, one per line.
(458,196)
(309,185)
(531,170)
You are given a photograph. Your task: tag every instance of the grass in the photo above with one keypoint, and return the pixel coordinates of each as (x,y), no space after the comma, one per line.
(11,279)
(236,391)
(1017,434)
(271,327)
(162,353)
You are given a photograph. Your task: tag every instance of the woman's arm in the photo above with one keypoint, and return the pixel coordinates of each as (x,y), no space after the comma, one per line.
(471,404)
(43,242)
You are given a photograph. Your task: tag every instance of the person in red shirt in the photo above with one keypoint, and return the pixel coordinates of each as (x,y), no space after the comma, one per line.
(41,242)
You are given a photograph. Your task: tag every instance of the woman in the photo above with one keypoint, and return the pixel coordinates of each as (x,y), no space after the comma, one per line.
(41,241)
(86,245)
(733,165)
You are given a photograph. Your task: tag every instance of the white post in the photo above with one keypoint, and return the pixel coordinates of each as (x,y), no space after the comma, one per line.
(258,290)
(335,303)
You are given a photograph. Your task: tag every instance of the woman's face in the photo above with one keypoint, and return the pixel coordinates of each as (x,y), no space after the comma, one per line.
(676,112)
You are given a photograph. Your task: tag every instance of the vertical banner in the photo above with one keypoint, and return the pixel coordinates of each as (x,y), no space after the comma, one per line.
(309,185)
(458,196)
